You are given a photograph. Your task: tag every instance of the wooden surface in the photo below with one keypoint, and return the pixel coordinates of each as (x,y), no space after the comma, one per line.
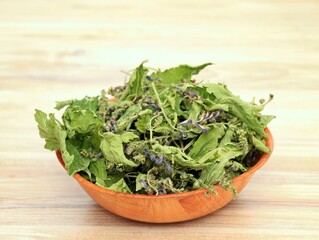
(55,50)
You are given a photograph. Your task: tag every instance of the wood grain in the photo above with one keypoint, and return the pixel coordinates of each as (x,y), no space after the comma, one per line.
(64,49)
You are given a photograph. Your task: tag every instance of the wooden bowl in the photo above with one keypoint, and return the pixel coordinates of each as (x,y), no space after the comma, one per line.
(168,208)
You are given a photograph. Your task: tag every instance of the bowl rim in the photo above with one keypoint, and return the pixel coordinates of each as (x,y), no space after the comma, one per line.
(263,159)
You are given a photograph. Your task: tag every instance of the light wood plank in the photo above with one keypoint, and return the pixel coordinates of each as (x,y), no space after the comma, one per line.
(68,49)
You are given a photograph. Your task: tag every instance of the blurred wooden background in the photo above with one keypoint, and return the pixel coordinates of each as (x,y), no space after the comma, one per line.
(55,50)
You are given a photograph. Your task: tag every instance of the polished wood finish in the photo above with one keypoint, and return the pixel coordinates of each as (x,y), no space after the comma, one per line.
(55,50)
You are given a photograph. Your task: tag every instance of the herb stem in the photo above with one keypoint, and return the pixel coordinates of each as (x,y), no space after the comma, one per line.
(189,144)
(161,105)
(151,129)
(181,144)
(176,144)
(149,183)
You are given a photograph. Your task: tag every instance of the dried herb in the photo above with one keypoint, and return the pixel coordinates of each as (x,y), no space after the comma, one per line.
(163,134)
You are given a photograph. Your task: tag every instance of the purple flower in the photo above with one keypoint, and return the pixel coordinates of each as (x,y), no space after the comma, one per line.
(204,130)
(191,95)
(209,116)
(186,122)
(212,115)
(152,157)
(144,184)
(155,107)
(160,190)
(168,167)
(144,151)
(206,117)
(159,160)
(217,113)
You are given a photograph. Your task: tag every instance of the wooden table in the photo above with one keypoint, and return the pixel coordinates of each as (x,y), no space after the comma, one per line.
(55,50)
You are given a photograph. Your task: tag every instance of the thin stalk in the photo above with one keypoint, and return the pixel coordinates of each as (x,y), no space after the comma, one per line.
(149,183)
(151,129)
(176,144)
(189,144)
(161,105)
(181,144)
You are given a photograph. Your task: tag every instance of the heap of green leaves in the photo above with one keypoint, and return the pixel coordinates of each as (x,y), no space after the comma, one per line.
(162,133)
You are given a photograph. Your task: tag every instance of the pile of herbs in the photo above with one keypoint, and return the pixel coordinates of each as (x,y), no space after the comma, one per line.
(160,133)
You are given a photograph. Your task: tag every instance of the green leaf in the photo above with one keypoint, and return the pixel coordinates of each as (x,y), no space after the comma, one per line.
(245,111)
(112,182)
(90,103)
(131,114)
(79,162)
(142,123)
(207,141)
(236,166)
(215,171)
(112,149)
(175,155)
(139,186)
(54,135)
(176,74)
(260,145)
(134,87)
(49,129)
(164,129)
(100,182)
(61,104)
(171,99)
(95,139)
(113,178)
(120,186)
(98,169)
(178,100)
(128,136)
(81,120)
(194,111)
(227,138)
(139,158)
(266,119)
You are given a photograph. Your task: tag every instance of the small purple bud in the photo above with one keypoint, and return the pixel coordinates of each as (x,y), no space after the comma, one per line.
(206,117)
(144,150)
(159,160)
(168,167)
(216,114)
(160,190)
(144,184)
(99,155)
(155,107)
(152,157)
(204,130)
(186,122)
